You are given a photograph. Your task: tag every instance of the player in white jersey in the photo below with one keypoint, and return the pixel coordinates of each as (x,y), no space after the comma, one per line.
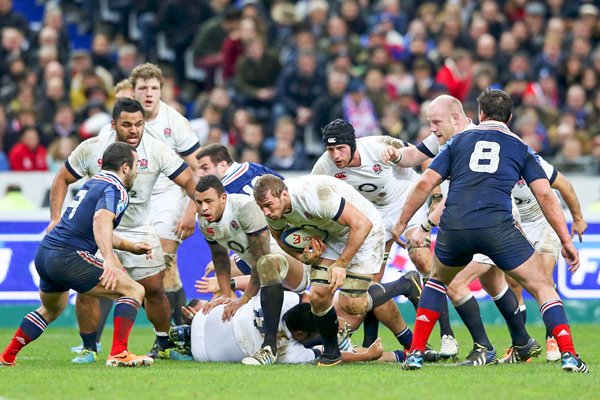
(359,163)
(173,215)
(155,159)
(348,258)
(211,339)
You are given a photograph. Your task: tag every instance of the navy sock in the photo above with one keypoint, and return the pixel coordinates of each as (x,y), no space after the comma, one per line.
(508,305)
(523,310)
(444,320)
(89,341)
(327,324)
(271,300)
(405,338)
(382,292)
(471,316)
(370,328)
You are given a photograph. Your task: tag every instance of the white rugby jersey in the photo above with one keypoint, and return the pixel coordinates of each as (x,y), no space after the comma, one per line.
(380,183)
(318,201)
(241,217)
(431,146)
(175,130)
(155,159)
(526,202)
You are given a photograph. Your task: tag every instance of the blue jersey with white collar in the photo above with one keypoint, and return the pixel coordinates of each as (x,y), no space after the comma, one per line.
(483,165)
(75,229)
(241,177)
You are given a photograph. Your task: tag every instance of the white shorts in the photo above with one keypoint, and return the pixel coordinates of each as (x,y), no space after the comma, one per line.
(138,266)
(391,214)
(214,340)
(369,257)
(542,236)
(166,210)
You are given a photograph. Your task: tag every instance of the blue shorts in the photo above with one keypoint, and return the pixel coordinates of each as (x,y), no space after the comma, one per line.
(506,245)
(242,265)
(64,269)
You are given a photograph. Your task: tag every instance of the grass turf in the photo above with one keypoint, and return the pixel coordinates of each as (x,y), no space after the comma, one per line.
(44,371)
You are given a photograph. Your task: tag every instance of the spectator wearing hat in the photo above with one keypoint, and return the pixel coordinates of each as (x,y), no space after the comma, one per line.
(283,22)
(28,154)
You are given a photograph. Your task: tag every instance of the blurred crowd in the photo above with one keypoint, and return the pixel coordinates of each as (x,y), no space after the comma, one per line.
(263,77)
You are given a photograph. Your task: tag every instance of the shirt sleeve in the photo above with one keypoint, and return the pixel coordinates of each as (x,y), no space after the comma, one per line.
(253,220)
(429,146)
(186,141)
(109,200)
(319,168)
(327,204)
(549,169)
(170,164)
(78,162)
(442,162)
(532,168)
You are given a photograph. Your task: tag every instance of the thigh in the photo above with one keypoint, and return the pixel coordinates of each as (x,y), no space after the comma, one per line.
(529,274)
(167,208)
(506,245)
(62,270)
(455,248)
(493,281)
(442,272)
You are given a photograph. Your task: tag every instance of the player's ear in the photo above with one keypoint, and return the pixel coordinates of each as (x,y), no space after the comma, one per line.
(509,118)
(113,124)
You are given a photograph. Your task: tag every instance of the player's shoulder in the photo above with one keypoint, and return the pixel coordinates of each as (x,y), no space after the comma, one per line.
(172,115)
(382,140)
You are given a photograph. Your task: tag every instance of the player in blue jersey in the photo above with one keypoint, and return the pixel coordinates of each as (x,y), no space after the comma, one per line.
(65,259)
(216,160)
(485,163)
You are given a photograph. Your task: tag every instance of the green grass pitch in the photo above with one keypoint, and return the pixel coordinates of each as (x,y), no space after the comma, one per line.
(44,371)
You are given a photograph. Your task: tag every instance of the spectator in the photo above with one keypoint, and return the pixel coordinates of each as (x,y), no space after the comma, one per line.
(127,59)
(253,139)
(456,74)
(233,46)
(375,90)
(47,105)
(63,124)
(59,151)
(359,111)
(28,154)
(100,54)
(328,106)
(211,118)
(285,158)
(12,19)
(14,200)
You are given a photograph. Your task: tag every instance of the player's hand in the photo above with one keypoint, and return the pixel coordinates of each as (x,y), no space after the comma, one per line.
(571,255)
(110,274)
(375,350)
(188,314)
(578,227)
(187,224)
(214,302)
(232,307)
(417,238)
(51,225)
(397,231)
(390,154)
(207,285)
(142,248)
(309,257)
(210,268)
(337,276)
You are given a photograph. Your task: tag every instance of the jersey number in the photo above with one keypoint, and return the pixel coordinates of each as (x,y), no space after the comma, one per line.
(485,157)
(76,202)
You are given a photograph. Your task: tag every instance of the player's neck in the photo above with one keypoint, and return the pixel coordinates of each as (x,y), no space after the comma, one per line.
(356,161)
(152,115)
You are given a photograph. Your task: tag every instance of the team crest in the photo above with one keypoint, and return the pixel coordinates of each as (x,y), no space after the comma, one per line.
(167,132)
(341,175)
(210,231)
(143,164)
(234,225)
(307,215)
(377,169)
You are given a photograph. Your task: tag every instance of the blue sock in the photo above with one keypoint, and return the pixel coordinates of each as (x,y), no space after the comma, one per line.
(405,338)
(523,309)
(470,314)
(508,305)
(89,340)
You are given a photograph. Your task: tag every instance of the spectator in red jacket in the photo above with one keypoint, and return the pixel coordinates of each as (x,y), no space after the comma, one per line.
(28,154)
(456,74)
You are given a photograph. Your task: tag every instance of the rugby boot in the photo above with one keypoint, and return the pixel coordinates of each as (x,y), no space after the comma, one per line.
(344,340)
(85,356)
(449,347)
(127,359)
(4,363)
(552,351)
(517,354)
(480,356)
(179,354)
(413,361)
(329,360)
(263,356)
(572,363)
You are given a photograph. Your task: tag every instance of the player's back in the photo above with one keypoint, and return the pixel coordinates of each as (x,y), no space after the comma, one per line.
(483,165)
(241,177)
(75,229)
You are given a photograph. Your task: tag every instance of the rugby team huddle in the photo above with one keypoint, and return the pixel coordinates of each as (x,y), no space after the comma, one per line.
(118,240)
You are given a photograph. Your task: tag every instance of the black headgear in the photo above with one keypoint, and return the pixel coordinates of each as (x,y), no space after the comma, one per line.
(339,132)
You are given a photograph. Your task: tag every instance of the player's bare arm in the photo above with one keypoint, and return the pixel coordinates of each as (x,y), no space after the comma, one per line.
(132,247)
(220,257)
(554,215)
(404,157)
(103,234)
(564,186)
(187,180)
(418,195)
(58,192)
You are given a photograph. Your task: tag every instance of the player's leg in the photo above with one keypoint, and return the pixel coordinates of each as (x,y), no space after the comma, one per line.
(523,346)
(87,311)
(34,324)
(521,262)
(325,317)
(172,281)
(157,309)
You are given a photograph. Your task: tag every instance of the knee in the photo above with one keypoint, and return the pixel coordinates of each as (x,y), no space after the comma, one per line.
(319,300)
(354,305)
(153,289)
(137,292)
(268,267)
(83,301)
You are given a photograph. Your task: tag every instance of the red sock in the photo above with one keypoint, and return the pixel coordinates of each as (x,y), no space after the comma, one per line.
(424,324)
(124,316)
(562,334)
(18,341)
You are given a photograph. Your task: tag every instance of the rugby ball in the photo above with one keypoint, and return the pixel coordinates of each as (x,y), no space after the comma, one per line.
(299,238)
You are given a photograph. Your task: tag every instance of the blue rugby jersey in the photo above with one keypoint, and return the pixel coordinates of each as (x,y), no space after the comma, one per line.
(240,178)
(483,165)
(75,229)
